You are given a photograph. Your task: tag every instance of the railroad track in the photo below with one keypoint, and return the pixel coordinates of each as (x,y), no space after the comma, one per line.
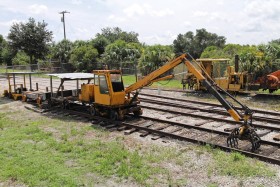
(202,114)
(214,110)
(247,93)
(258,112)
(160,128)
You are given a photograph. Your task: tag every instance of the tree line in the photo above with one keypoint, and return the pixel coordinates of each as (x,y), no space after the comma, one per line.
(31,42)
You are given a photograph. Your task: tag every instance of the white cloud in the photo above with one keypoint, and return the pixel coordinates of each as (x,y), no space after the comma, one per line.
(211,16)
(251,26)
(220,2)
(165,39)
(10,23)
(187,23)
(145,9)
(82,30)
(201,14)
(38,9)
(135,10)
(162,13)
(157,21)
(266,9)
(76,2)
(116,19)
(153,39)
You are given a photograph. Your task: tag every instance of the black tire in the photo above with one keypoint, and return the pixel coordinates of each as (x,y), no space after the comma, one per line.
(114,115)
(92,111)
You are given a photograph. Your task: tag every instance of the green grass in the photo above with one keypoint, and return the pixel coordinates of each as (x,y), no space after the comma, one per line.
(175,84)
(4,70)
(267,91)
(39,150)
(36,158)
(237,165)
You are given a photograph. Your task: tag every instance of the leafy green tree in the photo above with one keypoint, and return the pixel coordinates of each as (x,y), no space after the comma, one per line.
(79,43)
(30,37)
(195,44)
(113,34)
(213,52)
(62,51)
(229,51)
(7,56)
(277,41)
(248,58)
(270,56)
(120,54)
(100,43)
(154,57)
(20,59)
(84,58)
(2,46)
(184,43)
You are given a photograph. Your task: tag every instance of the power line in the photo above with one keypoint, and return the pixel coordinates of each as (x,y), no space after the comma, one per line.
(63,20)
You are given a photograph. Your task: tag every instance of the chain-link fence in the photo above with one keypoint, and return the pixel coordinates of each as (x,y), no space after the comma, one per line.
(62,68)
(39,68)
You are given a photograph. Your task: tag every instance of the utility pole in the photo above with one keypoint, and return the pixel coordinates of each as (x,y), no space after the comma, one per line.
(63,20)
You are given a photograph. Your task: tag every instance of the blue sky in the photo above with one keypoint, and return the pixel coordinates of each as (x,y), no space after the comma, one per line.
(156,21)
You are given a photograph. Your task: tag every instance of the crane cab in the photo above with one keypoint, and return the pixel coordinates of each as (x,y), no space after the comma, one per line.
(108,87)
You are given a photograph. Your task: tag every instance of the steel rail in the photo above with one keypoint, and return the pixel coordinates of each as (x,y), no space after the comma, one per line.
(200,142)
(209,117)
(206,103)
(269,120)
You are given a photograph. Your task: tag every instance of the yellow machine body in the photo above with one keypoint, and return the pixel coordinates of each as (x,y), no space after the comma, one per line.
(87,93)
(108,87)
(224,75)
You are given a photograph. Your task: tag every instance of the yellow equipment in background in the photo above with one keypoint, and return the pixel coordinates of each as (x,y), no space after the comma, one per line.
(16,90)
(224,75)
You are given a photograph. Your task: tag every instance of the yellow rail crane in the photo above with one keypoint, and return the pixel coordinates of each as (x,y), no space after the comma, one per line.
(107,96)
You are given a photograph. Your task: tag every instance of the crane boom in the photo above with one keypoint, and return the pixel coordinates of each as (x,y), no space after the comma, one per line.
(244,132)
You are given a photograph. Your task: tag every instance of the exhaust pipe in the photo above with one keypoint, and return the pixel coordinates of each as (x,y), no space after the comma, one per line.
(236,63)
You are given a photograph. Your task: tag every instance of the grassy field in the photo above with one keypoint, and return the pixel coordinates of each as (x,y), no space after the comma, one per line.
(39,150)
